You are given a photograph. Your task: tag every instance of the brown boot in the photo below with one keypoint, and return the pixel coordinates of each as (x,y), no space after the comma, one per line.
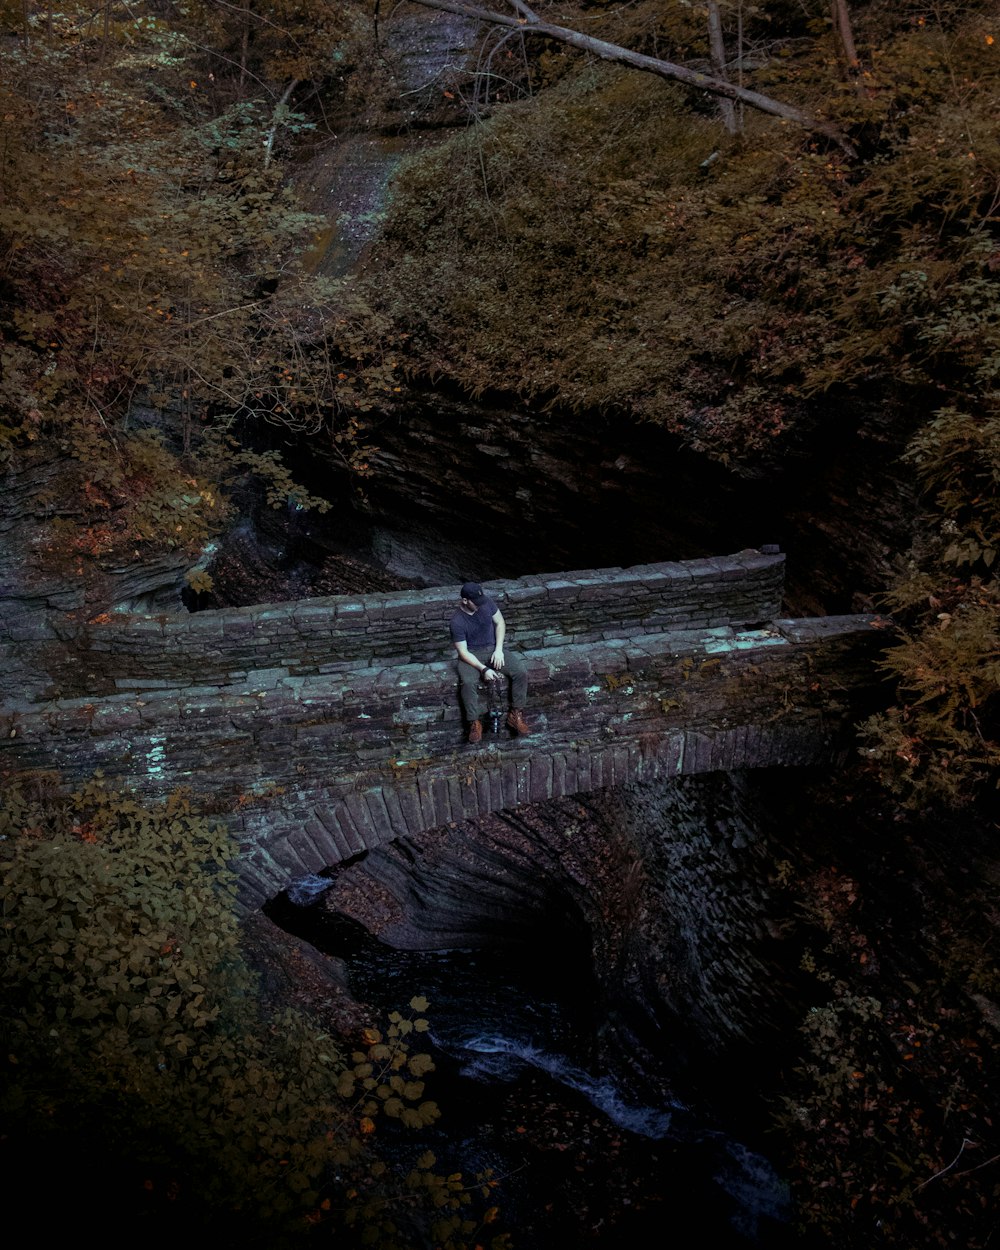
(476,731)
(517,722)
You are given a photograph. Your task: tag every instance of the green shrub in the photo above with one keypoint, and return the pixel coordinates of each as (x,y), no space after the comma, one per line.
(134,1026)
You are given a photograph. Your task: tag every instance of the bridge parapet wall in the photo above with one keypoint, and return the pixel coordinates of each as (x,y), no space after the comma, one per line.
(312,769)
(342,633)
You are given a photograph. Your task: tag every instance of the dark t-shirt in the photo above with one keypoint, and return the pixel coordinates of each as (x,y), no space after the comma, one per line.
(476,630)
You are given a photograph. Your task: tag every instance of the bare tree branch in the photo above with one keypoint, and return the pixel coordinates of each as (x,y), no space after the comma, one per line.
(531,25)
(276,119)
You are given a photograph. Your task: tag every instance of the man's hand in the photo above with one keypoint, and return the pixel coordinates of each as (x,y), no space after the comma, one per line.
(497,660)
(491,675)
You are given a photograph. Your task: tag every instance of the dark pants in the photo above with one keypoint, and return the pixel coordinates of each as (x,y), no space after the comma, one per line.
(474,696)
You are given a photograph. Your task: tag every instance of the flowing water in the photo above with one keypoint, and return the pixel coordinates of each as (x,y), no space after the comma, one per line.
(588,1153)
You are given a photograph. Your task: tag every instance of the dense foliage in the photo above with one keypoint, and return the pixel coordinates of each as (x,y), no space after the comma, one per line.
(137,1048)
(606,245)
(889,1112)
(151,297)
(941,743)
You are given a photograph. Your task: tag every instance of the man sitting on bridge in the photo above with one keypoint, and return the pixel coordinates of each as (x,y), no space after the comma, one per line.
(478,631)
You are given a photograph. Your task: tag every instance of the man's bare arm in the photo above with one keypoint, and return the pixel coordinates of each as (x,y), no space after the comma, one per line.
(500,625)
(462,647)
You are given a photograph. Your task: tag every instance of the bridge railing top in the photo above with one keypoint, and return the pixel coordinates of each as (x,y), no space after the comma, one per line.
(410,626)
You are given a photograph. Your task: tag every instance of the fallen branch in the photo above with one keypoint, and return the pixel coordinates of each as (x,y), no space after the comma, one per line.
(530,24)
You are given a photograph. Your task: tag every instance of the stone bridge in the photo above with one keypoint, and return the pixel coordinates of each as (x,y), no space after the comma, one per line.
(321,728)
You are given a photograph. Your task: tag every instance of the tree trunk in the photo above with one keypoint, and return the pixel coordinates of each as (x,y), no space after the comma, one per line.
(276,119)
(717,53)
(845,33)
(530,24)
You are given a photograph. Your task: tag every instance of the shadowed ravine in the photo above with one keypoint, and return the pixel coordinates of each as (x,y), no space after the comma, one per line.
(582,1048)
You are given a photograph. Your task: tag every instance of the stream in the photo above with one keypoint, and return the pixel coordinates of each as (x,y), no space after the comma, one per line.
(586,1155)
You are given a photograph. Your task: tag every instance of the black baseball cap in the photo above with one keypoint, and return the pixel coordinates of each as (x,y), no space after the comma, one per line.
(473,591)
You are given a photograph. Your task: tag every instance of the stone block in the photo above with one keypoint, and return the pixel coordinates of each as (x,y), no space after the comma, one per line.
(323,851)
(205,627)
(671,753)
(262,678)
(558,780)
(153,712)
(508,780)
(407,610)
(353,836)
(584,769)
(463,800)
(425,800)
(522,768)
(410,810)
(626,582)
(622,633)
(759,562)
(145,626)
(287,860)
(522,595)
(359,830)
(328,817)
(560,589)
(813,629)
(374,609)
(350,611)
(115,718)
(441,797)
(388,797)
(494,779)
(481,785)
(738,747)
(540,782)
(623,768)
(237,626)
(698,752)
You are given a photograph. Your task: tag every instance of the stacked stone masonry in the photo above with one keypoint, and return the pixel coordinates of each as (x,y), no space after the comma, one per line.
(315,762)
(340,633)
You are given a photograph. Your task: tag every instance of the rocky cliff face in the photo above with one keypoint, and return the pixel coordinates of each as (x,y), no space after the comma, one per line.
(49,588)
(504,490)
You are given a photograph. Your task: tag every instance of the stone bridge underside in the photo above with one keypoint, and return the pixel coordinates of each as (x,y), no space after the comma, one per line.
(322,728)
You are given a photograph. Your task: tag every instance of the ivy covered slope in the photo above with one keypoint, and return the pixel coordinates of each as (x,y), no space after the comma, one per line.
(603,240)
(146,1085)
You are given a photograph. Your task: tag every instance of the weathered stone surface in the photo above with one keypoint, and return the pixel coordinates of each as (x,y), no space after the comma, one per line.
(323,766)
(409,626)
